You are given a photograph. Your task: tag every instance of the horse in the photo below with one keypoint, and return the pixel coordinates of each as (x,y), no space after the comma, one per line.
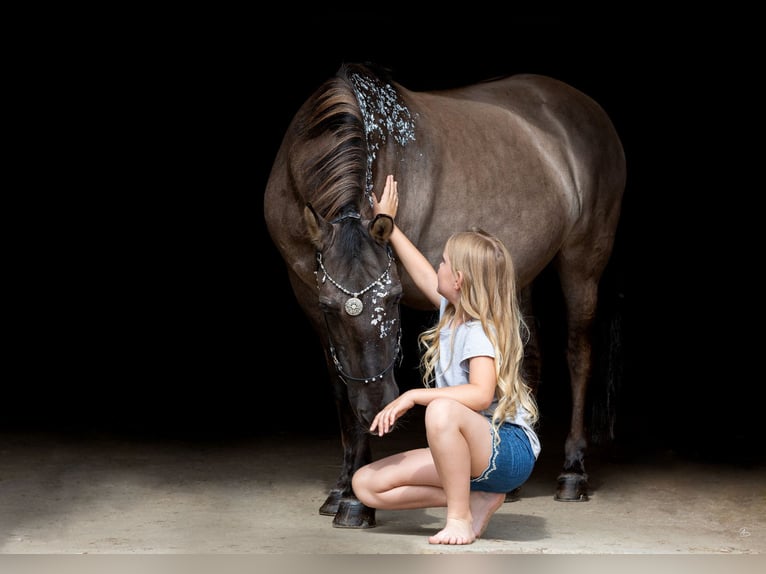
(525,156)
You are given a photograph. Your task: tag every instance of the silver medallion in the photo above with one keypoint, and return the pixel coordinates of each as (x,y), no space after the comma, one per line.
(353,306)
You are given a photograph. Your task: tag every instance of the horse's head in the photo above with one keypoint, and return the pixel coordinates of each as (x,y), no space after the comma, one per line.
(359,293)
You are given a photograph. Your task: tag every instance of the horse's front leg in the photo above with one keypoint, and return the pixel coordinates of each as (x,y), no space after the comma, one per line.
(351,512)
(342,503)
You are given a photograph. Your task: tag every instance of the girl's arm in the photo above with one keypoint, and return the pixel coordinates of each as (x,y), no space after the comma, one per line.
(476,395)
(418,267)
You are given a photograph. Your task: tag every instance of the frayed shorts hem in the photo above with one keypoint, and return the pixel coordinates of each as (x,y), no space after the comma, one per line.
(511,462)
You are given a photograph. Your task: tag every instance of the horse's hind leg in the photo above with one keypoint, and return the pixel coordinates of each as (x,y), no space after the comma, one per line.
(532,349)
(532,358)
(579,285)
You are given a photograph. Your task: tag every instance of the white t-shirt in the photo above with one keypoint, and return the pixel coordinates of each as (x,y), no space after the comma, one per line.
(470,341)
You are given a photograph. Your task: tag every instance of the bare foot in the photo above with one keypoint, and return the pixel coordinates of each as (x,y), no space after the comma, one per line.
(483,506)
(454,532)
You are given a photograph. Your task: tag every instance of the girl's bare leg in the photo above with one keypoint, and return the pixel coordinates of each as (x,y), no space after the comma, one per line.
(401,481)
(483,506)
(461,445)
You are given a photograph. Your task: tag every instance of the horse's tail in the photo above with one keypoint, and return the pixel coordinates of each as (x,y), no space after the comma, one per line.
(607,377)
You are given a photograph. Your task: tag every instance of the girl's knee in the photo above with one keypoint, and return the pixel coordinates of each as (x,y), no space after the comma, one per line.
(442,405)
(360,484)
(441,412)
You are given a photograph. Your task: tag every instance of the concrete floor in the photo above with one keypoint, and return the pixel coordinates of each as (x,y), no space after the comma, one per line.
(117,494)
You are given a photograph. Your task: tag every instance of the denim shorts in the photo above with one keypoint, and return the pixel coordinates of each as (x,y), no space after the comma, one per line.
(511,462)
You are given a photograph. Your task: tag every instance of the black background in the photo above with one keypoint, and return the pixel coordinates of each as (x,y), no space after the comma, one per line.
(150,299)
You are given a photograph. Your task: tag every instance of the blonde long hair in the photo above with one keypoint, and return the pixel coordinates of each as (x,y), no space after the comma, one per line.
(487,294)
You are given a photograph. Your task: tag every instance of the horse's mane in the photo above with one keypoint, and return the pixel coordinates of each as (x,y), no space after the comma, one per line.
(353,112)
(337,176)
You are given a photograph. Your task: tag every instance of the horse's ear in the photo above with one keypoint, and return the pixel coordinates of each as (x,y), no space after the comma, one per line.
(381,227)
(317,226)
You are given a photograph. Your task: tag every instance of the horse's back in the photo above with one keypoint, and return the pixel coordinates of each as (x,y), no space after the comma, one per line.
(530,156)
(542,101)
(545,107)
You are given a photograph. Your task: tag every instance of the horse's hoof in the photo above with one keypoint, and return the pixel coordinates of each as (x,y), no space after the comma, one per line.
(572,487)
(331,503)
(354,514)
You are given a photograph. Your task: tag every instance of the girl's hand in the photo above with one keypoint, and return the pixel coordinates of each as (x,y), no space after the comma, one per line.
(385,419)
(389,199)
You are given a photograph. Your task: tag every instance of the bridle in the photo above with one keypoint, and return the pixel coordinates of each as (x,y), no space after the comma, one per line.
(344,376)
(353,307)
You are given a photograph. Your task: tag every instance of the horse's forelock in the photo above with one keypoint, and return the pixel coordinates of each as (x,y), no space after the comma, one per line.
(351,239)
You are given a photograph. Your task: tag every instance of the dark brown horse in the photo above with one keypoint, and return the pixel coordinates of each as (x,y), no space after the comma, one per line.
(526,157)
